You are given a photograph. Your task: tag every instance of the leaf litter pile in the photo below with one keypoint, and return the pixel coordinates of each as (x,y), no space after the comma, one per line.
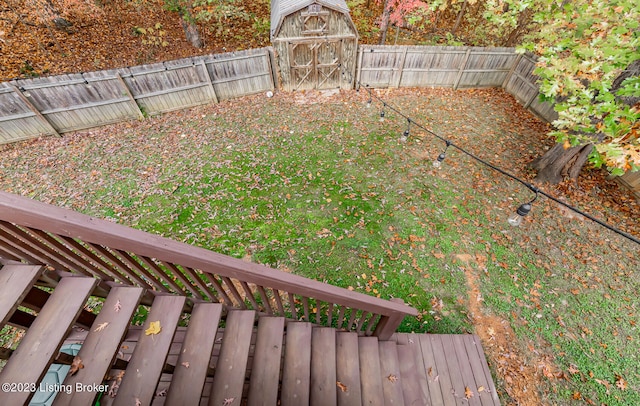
(315,184)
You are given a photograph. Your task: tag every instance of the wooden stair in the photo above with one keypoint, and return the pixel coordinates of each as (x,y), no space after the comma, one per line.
(216,357)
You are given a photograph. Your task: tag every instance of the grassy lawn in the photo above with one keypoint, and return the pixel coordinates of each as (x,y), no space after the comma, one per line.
(318,186)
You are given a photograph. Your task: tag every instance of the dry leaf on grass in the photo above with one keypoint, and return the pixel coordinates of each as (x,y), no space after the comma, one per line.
(154,328)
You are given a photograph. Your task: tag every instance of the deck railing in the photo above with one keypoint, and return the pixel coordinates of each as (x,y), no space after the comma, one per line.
(67,241)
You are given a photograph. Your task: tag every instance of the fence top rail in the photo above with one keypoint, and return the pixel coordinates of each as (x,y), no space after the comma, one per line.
(37,215)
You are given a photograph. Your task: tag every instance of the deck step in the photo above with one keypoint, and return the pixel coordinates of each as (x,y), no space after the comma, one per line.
(102,343)
(323,367)
(370,374)
(296,373)
(228,381)
(265,371)
(390,373)
(348,369)
(193,361)
(409,377)
(148,359)
(15,283)
(43,339)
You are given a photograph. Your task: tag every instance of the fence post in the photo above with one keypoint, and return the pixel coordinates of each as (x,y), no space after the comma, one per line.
(209,82)
(33,108)
(359,67)
(401,67)
(272,68)
(133,100)
(513,69)
(388,324)
(461,71)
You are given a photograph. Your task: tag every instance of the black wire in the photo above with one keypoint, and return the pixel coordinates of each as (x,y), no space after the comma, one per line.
(502,171)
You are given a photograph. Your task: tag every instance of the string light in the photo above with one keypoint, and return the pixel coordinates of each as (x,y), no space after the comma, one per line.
(438,162)
(407,132)
(86,82)
(516,218)
(25,92)
(525,208)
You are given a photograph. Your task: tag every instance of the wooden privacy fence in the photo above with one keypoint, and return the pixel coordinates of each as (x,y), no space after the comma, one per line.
(65,103)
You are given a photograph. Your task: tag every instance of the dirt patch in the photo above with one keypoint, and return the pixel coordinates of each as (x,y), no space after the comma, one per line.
(520,373)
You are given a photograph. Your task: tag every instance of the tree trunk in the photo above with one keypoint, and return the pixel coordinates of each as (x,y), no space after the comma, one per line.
(384,23)
(191,29)
(524,18)
(459,19)
(559,163)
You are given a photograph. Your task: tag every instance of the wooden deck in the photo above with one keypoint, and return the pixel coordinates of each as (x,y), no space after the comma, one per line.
(220,357)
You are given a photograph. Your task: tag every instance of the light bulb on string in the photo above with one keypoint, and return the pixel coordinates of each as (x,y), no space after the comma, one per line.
(382,112)
(438,162)
(516,218)
(407,132)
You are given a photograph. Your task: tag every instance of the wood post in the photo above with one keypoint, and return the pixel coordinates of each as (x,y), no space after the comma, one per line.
(513,68)
(401,67)
(388,324)
(33,108)
(209,82)
(128,92)
(461,71)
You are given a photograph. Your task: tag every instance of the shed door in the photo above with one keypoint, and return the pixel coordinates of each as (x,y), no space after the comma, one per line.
(315,65)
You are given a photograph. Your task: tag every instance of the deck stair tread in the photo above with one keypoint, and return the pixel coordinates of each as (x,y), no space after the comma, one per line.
(40,345)
(101,345)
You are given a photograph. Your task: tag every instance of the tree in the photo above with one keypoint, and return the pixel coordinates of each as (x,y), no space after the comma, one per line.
(189,25)
(588,67)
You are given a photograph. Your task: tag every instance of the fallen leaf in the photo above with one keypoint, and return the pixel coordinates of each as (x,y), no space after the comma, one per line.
(185,364)
(118,306)
(228,401)
(76,365)
(154,328)
(621,383)
(468,393)
(138,402)
(162,393)
(480,388)
(342,386)
(101,326)
(392,378)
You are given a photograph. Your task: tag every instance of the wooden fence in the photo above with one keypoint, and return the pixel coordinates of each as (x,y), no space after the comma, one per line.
(58,104)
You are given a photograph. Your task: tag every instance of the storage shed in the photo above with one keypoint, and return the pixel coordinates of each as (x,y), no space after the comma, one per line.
(315,43)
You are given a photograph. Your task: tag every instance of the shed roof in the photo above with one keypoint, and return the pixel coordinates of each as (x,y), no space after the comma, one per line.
(282,8)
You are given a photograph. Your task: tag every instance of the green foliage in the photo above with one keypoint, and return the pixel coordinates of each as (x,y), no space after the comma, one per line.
(583,48)
(152,36)
(219,13)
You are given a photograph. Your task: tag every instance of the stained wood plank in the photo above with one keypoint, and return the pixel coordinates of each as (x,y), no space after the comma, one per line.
(371,384)
(231,368)
(193,362)
(413,341)
(101,346)
(296,374)
(148,359)
(323,367)
(265,370)
(43,339)
(431,369)
(411,390)
(481,370)
(348,369)
(466,371)
(455,366)
(440,358)
(15,282)
(390,373)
